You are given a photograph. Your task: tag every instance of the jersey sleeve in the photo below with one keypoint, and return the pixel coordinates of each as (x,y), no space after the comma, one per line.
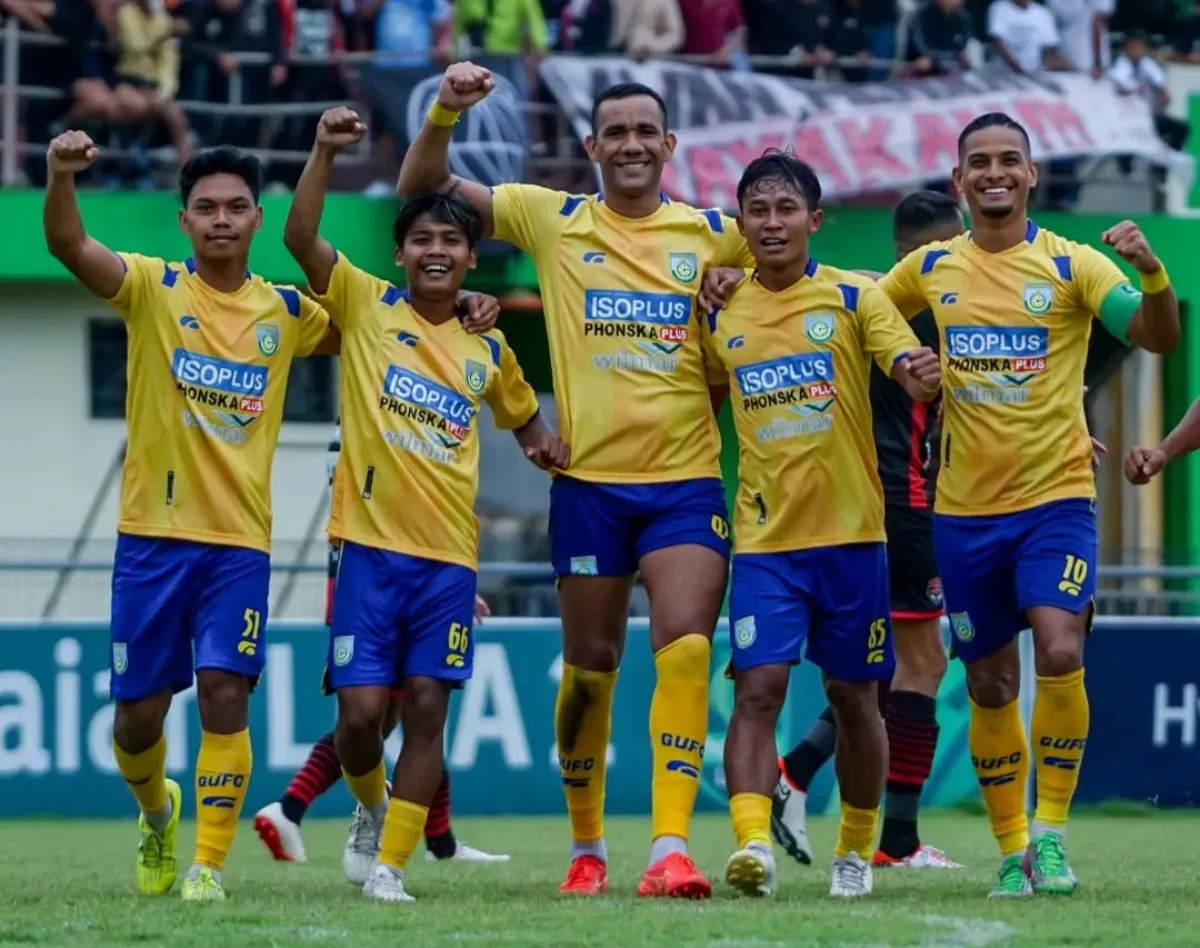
(1105,292)
(314,326)
(715,373)
(512,400)
(525,215)
(886,335)
(349,289)
(141,274)
(732,249)
(903,284)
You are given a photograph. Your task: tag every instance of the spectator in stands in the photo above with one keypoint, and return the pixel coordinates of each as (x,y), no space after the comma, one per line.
(938,37)
(714,29)
(414,32)
(798,29)
(1024,36)
(1186,34)
(643,29)
(878,20)
(848,40)
(148,69)
(1083,26)
(1136,73)
(503,26)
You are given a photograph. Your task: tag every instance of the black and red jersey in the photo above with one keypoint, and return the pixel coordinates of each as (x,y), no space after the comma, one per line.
(906,436)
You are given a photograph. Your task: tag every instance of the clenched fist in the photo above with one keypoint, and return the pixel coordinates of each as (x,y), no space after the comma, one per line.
(339,127)
(70,153)
(1141,464)
(924,366)
(1130,244)
(463,85)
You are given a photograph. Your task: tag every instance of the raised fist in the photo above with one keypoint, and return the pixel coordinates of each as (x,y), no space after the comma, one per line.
(70,153)
(463,85)
(340,127)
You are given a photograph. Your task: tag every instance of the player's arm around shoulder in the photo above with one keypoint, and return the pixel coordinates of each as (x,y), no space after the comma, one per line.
(99,269)
(515,407)
(1148,318)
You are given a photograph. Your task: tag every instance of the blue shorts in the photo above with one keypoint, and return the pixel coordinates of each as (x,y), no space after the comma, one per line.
(994,568)
(396,615)
(606,529)
(834,598)
(178,606)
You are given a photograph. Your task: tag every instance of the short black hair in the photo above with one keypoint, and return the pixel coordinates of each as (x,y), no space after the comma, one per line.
(443,208)
(1137,36)
(627,90)
(992,120)
(922,211)
(786,167)
(225,159)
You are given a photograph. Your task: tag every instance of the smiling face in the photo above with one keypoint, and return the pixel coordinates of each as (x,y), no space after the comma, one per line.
(776,222)
(995,173)
(436,257)
(221,218)
(630,143)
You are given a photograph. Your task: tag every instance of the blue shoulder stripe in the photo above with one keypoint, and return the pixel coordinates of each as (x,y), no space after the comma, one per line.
(713,216)
(495,347)
(291,299)
(1063,265)
(570,204)
(931,259)
(849,296)
(170,276)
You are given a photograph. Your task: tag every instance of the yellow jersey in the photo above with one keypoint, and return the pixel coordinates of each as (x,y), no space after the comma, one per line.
(799,364)
(411,391)
(207,376)
(619,298)
(1014,329)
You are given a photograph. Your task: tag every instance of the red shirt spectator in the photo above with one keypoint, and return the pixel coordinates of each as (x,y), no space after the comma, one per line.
(713,27)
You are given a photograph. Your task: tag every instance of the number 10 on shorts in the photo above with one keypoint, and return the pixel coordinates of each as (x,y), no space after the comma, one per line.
(1074,574)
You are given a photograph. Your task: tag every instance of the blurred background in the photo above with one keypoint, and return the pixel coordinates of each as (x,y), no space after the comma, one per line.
(873,92)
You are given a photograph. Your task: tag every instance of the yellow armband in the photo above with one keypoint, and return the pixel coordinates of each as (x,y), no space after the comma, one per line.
(1155,282)
(441,116)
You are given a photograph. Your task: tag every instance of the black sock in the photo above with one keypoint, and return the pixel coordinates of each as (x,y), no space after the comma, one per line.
(443,846)
(806,758)
(912,742)
(293,807)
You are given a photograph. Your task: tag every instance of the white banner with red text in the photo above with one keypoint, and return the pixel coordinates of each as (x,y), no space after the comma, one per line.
(859,137)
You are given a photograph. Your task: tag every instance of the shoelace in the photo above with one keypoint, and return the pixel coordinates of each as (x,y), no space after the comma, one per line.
(364,834)
(850,874)
(151,850)
(1012,874)
(1052,858)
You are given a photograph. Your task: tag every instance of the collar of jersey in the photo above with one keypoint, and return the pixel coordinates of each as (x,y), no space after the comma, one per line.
(810,271)
(663,201)
(190,263)
(1031,232)
(399,294)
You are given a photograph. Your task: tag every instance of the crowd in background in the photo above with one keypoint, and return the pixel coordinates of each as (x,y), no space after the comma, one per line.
(126,65)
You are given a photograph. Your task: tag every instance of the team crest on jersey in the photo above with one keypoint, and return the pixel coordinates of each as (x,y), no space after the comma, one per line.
(683,267)
(584,566)
(819,327)
(744,632)
(268,339)
(343,650)
(476,373)
(960,622)
(1039,297)
(120,658)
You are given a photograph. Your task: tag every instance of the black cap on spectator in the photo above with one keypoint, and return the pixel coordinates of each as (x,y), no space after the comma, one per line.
(992,120)
(224,159)
(627,90)
(921,212)
(443,208)
(786,167)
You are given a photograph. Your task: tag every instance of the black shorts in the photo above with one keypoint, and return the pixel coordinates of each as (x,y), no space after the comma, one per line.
(916,585)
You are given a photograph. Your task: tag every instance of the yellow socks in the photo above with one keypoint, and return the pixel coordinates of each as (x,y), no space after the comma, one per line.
(856,832)
(1001,758)
(402,830)
(678,729)
(146,774)
(370,789)
(582,725)
(1060,730)
(222,779)
(751,814)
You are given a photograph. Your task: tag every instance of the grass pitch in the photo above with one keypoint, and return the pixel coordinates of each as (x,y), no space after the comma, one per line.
(71,884)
